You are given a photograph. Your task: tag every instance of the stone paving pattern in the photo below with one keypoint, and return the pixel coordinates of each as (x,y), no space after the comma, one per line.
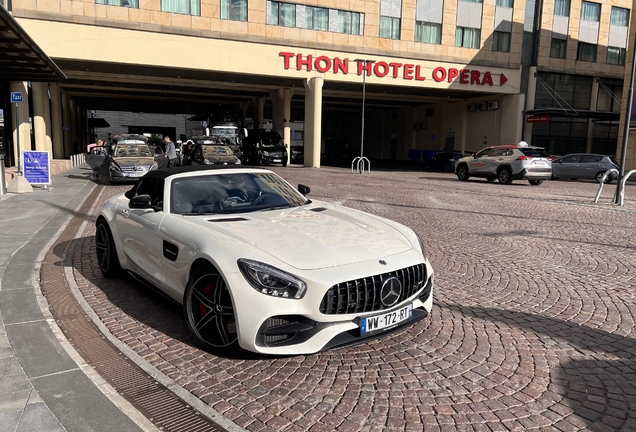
(532,326)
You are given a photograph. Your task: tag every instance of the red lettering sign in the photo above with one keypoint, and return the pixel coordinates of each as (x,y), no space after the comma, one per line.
(381,69)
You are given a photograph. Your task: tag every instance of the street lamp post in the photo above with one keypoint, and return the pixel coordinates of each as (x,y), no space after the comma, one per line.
(361,159)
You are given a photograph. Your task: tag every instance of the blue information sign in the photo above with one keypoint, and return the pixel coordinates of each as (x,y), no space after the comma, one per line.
(37,167)
(16,96)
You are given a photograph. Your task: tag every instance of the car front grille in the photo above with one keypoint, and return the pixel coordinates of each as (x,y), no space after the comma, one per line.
(133,169)
(276,154)
(364,295)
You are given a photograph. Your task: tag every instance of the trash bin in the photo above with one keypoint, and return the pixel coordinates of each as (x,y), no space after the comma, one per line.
(414,154)
(428,154)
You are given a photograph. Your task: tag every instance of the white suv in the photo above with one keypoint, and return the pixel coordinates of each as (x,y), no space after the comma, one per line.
(507,163)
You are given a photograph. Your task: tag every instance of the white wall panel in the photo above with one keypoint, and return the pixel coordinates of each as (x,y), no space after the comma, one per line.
(589,32)
(503,19)
(618,36)
(560,27)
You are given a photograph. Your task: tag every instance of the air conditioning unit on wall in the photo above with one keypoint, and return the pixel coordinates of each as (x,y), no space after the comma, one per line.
(493,105)
(471,107)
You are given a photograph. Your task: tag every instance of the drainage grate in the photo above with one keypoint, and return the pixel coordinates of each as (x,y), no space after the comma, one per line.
(160,405)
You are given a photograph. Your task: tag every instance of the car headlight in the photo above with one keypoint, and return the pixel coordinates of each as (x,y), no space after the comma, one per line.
(271,281)
(238,162)
(419,240)
(114,167)
(265,153)
(207,162)
(153,167)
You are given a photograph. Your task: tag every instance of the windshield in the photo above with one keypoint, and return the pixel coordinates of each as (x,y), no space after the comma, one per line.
(216,150)
(232,193)
(132,150)
(270,139)
(535,152)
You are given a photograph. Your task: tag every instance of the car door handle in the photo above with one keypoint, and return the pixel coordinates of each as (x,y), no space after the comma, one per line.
(125,212)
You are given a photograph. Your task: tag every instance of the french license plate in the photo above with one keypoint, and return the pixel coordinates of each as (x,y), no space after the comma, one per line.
(134,174)
(540,163)
(276,160)
(385,320)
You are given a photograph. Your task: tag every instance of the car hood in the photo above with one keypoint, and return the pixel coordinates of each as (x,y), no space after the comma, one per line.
(312,237)
(134,161)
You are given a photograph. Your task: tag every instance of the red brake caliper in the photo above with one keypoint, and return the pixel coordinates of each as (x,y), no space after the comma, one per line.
(202,308)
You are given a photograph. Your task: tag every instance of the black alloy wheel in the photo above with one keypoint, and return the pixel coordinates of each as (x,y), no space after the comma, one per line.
(209,312)
(599,177)
(105,249)
(462,172)
(505,176)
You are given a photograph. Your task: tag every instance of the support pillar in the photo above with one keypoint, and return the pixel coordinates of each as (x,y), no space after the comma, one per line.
(41,117)
(260,109)
(56,122)
(530,96)
(74,127)
(66,124)
(313,121)
(21,125)
(590,123)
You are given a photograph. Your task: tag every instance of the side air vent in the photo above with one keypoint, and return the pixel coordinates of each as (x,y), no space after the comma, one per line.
(236,219)
(318,209)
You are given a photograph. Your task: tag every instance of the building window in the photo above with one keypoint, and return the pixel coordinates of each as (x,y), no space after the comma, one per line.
(283,14)
(501,41)
(620,17)
(467,37)
(390,18)
(610,92)
(349,22)
(504,3)
(313,18)
(188,7)
(473,1)
(316,18)
(235,10)
(562,8)
(616,56)
(590,11)
(124,3)
(558,47)
(586,52)
(389,27)
(428,32)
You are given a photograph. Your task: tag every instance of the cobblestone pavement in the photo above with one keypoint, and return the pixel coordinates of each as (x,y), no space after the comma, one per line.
(532,326)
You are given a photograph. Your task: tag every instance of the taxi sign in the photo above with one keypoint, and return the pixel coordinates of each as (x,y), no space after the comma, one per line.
(16,97)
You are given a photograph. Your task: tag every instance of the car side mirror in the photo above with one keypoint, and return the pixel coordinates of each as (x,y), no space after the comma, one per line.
(140,202)
(303,189)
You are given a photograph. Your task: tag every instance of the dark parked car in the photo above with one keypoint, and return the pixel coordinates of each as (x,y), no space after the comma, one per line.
(297,154)
(264,147)
(584,166)
(443,162)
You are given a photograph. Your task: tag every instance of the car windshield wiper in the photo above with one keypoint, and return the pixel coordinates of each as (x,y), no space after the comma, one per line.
(198,213)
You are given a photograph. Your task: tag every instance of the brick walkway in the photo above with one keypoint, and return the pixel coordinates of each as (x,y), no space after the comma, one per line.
(532,327)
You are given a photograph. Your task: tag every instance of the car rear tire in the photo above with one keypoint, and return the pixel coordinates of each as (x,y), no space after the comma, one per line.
(599,176)
(106,253)
(462,172)
(535,182)
(209,312)
(505,176)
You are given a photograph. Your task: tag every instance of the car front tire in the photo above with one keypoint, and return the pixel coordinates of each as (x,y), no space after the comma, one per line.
(505,176)
(535,182)
(462,172)
(106,252)
(209,312)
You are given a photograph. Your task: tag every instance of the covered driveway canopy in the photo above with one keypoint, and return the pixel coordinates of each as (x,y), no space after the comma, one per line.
(21,59)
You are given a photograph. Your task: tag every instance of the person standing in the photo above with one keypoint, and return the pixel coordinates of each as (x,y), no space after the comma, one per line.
(171,152)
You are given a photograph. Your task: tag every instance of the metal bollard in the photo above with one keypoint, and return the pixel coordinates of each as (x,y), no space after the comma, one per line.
(3,186)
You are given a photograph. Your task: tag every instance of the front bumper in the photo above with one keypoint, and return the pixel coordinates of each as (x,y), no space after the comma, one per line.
(290,327)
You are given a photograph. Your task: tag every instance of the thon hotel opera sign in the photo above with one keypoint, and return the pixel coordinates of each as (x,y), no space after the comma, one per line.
(391,70)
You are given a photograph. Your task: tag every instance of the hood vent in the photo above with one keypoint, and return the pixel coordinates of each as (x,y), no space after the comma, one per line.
(318,209)
(235,219)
